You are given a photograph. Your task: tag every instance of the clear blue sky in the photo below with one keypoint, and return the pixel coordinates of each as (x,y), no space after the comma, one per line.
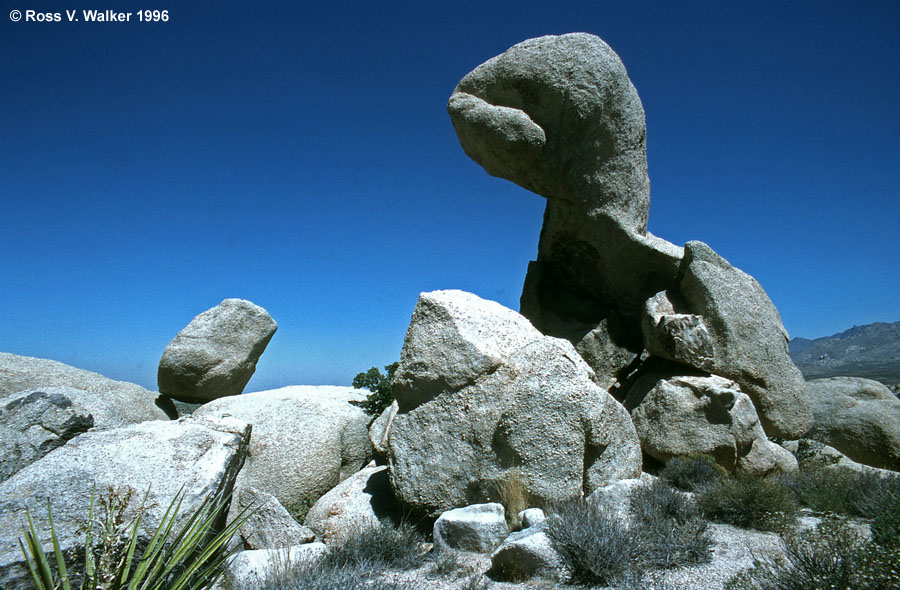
(299,155)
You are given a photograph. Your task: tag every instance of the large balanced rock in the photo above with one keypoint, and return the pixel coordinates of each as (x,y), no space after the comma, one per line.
(718,319)
(481,392)
(306,439)
(215,355)
(34,422)
(196,457)
(111,403)
(559,116)
(688,415)
(858,417)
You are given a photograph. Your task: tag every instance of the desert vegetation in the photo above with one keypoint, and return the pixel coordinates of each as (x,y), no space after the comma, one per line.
(189,557)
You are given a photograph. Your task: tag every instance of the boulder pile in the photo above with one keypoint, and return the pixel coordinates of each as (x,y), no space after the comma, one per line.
(628,351)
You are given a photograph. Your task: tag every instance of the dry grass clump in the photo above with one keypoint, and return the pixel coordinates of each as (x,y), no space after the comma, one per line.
(514,496)
(595,544)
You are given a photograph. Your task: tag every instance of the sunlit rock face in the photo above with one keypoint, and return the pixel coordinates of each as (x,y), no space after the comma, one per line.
(482,393)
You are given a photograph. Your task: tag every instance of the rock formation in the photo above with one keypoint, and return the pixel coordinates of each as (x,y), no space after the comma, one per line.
(559,116)
(34,422)
(689,415)
(111,403)
(481,392)
(200,457)
(858,417)
(718,319)
(306,440)
(216,353)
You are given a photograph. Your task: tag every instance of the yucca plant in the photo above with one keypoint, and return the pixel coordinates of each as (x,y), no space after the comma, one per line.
(192,558)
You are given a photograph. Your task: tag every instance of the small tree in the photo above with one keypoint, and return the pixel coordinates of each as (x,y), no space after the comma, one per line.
(379,385)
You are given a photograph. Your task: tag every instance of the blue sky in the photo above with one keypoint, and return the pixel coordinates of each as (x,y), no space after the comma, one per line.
(301,157)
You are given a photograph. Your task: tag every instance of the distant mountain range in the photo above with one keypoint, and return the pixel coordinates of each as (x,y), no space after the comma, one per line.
(871,351)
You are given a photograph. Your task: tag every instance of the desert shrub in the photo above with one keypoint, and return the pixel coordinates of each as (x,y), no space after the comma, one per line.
(597,547)
(833,556)
(324,576)
(387,546)
(886,526)
(822,490)
(448,563)
(749,501)
(514,497)
(191,557)
(842,491)
(692,474)
(357,563)
(379,385)
(669,527)
(873,493)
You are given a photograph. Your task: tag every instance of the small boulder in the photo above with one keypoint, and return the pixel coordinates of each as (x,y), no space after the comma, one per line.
(216,353)
(306,440)
(528,554)
(454,338)
(34,422)
(111,403)
(358,503)
(161,458)
(253,569)
(858,417)
(718,319)
(479,528)
(532,517)
(270,525)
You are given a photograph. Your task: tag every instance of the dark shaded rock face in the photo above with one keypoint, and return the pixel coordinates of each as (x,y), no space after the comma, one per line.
(34,422)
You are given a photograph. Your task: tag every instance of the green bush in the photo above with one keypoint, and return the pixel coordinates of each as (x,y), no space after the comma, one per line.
(692,474)
(379,385)
(842,491)
(749,501)
(190,558)
(873,493)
